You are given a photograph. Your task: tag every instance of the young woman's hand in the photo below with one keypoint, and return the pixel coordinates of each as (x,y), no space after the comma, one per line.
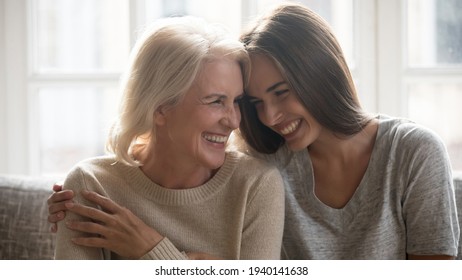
(115,227)
(56,205)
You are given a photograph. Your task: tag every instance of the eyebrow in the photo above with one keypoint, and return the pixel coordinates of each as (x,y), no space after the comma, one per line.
(215,94)
(220,96)
(273,87)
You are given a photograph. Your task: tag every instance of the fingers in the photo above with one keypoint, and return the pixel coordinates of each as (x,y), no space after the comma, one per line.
(56,216)
(57,187)
(61,201)
(88,212)
(120,231)
(102,234)
(57,207)
(105,203)
(54,228)
(60,196)
(87,227)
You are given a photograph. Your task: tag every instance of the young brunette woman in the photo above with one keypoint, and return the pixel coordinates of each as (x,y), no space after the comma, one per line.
(358,186)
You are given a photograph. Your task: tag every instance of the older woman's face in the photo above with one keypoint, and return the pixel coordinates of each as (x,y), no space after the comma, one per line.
(199,126)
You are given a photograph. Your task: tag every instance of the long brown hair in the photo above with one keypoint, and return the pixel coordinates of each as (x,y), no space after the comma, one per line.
(309,57)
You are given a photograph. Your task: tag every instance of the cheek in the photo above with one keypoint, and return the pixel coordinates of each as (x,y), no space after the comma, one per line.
(261,116)
(260,113)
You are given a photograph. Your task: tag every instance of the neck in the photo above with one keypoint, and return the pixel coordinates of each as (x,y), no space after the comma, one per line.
(344,149)
(170,172)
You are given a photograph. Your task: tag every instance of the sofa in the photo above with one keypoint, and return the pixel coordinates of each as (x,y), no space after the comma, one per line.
(25,231)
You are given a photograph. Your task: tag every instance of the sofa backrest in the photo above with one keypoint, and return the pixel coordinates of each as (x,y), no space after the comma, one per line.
(25,231)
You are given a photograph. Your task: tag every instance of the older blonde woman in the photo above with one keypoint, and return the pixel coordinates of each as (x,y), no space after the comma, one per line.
(182,190)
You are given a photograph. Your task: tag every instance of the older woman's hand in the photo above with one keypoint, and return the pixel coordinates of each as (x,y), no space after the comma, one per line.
(116,227)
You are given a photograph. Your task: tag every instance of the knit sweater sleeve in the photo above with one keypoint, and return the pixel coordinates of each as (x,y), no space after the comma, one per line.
(264,218)
(165,250)
(65,248)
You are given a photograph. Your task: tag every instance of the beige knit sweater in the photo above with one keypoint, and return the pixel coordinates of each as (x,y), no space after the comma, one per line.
(238,214)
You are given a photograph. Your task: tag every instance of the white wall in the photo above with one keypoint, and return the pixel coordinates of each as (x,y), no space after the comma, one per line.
(3,162)
(14,145)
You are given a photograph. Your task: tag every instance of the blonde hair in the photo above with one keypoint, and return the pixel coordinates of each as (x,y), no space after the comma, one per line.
(164,63)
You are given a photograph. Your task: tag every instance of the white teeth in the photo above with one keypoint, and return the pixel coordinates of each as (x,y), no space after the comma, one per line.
(290,128)
(216,139)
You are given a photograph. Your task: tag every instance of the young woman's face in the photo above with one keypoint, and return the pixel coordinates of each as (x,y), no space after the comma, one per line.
(198,128)
(278,106)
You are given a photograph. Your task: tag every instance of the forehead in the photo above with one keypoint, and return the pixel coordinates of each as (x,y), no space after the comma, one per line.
(221,75)
(263,74)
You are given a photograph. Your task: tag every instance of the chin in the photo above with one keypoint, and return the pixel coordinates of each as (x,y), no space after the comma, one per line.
(214,162)
(296,147)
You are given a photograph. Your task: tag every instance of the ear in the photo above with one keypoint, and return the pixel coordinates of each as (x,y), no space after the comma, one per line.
(159,116)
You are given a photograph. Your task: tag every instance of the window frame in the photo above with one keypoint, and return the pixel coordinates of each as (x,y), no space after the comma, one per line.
(15,135)
(380,71)
(393,73)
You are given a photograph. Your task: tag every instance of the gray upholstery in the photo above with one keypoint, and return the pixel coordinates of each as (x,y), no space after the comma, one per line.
(25,232)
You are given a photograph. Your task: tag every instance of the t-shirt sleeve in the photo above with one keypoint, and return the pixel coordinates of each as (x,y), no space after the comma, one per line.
(429,207)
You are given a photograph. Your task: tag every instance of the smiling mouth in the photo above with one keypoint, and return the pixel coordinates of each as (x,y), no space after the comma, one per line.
(215,138)
(291,127)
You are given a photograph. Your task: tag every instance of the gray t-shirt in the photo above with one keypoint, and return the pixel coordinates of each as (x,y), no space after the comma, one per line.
(404,204)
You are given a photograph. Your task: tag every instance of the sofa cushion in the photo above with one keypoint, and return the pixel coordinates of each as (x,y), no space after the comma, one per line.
(24,230)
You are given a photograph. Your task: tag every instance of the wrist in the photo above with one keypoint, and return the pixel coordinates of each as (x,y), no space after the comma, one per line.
(154,238)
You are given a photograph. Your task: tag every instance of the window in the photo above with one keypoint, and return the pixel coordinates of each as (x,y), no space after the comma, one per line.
(78,49)
(60,63)
(433,63)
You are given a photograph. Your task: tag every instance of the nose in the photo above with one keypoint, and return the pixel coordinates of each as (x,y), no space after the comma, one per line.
(233,117)
(269,114)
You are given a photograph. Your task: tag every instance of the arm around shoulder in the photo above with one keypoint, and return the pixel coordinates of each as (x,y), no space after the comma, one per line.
(65,248)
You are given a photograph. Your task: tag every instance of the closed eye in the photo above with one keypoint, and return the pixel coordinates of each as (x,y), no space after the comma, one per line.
(254,101)
(214,100)
(239,99)
(218,101)
(281,92)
